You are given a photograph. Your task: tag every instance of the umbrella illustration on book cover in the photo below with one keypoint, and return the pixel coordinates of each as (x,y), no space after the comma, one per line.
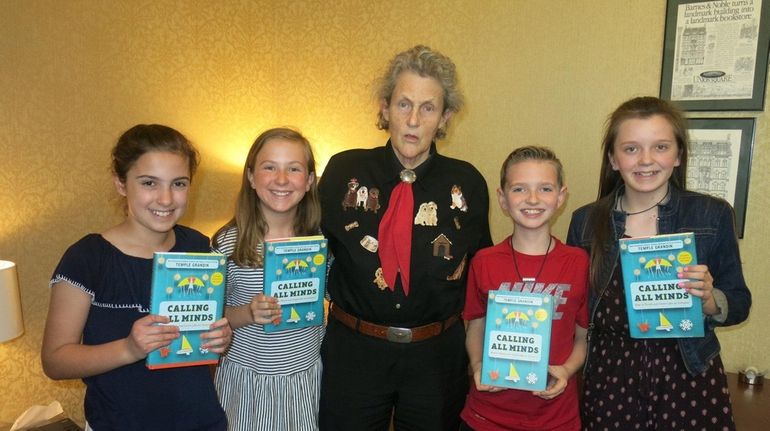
(516,317)
(296,265)
(658,266)
(190,284)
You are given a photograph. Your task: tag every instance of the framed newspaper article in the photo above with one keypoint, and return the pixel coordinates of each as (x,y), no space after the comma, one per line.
(719,160)
(715,54)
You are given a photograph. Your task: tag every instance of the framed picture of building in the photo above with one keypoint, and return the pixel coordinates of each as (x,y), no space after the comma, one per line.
(715,54)
(719,161)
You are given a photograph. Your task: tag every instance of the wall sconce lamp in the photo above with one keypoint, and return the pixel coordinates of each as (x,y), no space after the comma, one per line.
(11,322)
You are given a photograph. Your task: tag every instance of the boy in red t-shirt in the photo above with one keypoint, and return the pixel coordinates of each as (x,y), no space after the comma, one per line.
(531,192)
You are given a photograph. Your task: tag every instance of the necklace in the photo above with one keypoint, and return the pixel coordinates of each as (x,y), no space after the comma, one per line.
(542,265)
(620,202)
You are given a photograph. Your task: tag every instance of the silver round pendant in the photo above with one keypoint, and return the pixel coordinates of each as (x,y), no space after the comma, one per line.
(408,176)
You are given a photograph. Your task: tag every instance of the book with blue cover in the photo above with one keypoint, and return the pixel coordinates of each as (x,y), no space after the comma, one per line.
(295,273)
(517,340)
(189,288)
(657,306)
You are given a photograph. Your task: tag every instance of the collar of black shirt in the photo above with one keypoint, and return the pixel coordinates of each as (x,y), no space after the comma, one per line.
(394,166)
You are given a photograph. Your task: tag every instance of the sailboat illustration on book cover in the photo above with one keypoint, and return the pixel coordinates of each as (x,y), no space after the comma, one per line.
(293,316)
(513,374)
(657,307)
(186,347)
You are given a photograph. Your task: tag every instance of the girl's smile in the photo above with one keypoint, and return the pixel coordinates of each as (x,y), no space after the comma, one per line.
(156,191)
(645,154)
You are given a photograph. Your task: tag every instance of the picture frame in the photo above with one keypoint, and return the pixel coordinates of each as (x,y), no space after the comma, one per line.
(715,54)
(719,161)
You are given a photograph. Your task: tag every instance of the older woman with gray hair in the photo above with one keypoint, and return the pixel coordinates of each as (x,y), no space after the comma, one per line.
(403,222)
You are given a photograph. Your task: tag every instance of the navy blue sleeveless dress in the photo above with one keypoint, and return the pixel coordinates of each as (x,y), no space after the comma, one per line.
(132,397)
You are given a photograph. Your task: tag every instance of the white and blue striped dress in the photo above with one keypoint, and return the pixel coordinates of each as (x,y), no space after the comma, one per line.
(267,380)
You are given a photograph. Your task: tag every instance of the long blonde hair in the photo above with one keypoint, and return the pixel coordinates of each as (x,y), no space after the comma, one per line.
(249,220)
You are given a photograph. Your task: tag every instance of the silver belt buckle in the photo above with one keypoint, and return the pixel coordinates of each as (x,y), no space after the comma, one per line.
(399,335)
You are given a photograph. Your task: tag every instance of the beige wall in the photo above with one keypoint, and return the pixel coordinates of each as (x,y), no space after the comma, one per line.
(75,74)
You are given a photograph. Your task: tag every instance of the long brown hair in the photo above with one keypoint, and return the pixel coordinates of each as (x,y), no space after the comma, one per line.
(249,219)
(610,180)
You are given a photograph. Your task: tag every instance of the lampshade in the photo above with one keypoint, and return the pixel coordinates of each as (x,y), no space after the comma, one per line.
(11,323)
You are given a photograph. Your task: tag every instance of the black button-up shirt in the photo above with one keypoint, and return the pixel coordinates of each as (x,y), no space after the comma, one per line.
(451,222)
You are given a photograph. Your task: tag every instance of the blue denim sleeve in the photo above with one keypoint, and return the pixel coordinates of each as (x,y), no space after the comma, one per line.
(725,266)
(579,235)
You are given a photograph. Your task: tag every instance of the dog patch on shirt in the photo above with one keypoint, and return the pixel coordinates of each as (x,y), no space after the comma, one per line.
(361,196)
(373,200)
(458,201)
(349,201)
(427,214)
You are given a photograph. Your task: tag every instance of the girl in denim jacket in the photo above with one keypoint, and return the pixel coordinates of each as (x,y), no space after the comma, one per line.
(656,383)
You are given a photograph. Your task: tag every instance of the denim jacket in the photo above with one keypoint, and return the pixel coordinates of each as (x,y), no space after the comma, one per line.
(712,221)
